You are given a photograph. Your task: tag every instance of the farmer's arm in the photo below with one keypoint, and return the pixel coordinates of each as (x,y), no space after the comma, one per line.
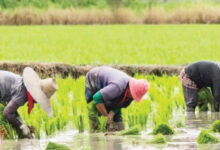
(106,94)
(98,101)
(10,113)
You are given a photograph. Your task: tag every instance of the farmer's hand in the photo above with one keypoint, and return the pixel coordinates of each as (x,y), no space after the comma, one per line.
(110,116)
(32,129)
(26,131)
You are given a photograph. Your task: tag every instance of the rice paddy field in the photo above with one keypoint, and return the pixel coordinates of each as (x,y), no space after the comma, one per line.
(124,44)
(115,44)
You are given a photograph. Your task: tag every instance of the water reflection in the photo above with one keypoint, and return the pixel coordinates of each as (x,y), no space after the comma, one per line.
(102,142)
(200,119)
(184,139)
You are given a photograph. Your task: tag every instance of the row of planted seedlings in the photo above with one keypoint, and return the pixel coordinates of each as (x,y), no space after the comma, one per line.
(69,104)
(164,98)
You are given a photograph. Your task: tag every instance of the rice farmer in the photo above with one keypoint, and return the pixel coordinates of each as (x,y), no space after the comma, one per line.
(196,76)
(15,91)
(107,91)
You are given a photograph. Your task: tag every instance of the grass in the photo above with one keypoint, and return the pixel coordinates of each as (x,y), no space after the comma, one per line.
(206,138)
(124,44)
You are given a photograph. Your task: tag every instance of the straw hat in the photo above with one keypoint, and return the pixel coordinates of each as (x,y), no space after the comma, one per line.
(40,90)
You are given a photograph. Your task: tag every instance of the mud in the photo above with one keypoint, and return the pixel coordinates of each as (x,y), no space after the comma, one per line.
(65,70)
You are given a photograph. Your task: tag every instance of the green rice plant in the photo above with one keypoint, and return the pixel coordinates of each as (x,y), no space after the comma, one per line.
(215,127)
(79,105)
(159,139)
(164,129)
(6,130)
(205,98)
(133,44)
(165,97)
(50,126)
(54,146)
(206,138)
(102,123)
(69,104)
(136,130)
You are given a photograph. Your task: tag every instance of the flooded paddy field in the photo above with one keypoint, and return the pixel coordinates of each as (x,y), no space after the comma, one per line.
(184,138)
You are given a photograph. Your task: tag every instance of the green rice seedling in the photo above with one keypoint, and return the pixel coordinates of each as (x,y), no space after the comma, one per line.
(205,98)
(50,126)
(54,146)
(136,130)
(206,138)
(79,122)
(159,139)
(102,123)
(164,129)
(6,130)
(79,106)
(215,127)
(69,104)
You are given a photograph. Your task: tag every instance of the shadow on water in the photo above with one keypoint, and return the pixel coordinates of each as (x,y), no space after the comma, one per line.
(184,139)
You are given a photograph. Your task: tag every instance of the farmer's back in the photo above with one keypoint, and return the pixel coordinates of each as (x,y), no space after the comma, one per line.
(10,84)
(204,73)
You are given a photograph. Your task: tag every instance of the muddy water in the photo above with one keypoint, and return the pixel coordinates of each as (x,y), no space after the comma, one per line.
(184,139)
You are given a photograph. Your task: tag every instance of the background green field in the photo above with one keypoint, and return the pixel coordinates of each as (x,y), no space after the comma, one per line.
(111,44)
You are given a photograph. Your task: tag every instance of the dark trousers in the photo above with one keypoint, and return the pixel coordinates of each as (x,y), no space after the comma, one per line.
(191,98)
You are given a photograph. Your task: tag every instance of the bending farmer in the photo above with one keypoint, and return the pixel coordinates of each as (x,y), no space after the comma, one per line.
(108,90)
(196,76)
(15,91)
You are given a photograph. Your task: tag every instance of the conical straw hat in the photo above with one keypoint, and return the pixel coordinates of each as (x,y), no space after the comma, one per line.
(40,90)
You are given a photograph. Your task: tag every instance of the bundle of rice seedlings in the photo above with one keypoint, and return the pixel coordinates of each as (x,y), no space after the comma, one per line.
(205,98)
(159,139)
(164,129)
(132,131)
(206,138)
(102,123)
(54,146)
(215,127)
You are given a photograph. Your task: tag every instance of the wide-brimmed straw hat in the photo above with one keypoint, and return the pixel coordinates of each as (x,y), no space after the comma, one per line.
(138,88)
(40,90)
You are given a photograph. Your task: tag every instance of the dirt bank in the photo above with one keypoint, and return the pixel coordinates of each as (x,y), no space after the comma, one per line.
(65,70)
(200,14)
